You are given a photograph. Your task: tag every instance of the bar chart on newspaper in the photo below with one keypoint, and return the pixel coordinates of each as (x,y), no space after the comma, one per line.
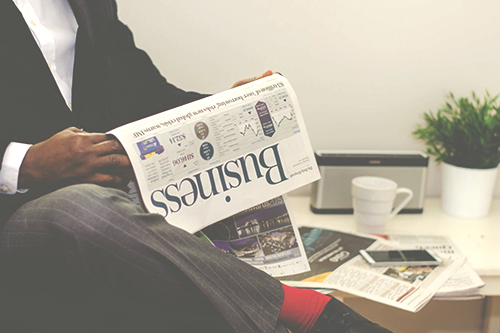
(220,155)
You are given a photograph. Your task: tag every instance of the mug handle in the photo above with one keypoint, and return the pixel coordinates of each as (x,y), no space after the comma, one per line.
(402,190)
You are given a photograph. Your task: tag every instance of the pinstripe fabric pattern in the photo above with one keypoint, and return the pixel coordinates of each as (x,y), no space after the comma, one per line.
(85,237)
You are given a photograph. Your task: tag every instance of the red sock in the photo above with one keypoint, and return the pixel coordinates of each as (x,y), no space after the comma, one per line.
(301,308)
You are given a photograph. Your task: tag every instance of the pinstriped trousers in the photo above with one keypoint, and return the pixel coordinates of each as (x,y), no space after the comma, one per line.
(87,259)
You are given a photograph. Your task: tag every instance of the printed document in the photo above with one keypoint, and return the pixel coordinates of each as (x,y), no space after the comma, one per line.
(336,264)
(205,161)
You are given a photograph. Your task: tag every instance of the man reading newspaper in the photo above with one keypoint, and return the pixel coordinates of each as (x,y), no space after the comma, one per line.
(77,255)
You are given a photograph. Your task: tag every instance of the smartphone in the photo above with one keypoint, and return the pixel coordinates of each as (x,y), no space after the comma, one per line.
(401,258)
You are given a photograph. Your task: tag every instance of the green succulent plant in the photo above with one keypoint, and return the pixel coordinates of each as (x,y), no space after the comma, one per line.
(463,132)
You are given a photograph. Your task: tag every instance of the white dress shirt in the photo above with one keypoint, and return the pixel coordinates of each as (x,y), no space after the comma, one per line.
(54,27)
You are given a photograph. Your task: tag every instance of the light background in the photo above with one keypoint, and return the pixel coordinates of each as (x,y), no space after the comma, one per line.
(364,70)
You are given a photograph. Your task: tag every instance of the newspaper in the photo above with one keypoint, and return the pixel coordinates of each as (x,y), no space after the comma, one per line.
(465,283)
(336,264)
(210,159)
(264,236)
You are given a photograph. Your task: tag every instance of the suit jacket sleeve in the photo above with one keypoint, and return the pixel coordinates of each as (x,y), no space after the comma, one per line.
(114,82)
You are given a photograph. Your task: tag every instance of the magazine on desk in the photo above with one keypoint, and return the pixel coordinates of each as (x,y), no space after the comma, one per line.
(223,156)
(336,264)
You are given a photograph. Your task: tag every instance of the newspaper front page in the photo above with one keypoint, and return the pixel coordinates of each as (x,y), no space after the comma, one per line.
(336,264)
(213,158)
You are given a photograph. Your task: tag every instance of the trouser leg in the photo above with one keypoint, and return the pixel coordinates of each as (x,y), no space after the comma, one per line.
(86,240)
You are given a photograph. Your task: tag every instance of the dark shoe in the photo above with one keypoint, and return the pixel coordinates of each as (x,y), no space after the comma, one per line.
(339,318)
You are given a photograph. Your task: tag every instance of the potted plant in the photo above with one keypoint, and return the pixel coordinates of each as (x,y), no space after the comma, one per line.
(465,136)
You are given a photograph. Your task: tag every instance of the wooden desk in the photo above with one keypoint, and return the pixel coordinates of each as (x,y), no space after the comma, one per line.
(478,239)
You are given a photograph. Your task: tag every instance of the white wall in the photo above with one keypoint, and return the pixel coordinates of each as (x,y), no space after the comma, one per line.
(364,70)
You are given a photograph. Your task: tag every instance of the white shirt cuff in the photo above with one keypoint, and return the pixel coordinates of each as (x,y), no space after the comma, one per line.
(11,163)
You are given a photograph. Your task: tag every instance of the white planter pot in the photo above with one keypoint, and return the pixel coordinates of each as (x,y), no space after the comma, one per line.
(467,193)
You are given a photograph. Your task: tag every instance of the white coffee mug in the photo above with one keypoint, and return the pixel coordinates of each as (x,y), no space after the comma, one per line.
(373,202)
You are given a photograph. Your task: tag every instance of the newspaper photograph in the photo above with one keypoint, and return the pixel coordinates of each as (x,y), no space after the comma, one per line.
(210,159)
(264,236)
(405,287)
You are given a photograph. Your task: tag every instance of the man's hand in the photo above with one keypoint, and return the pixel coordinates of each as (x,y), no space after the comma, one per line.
(245,81)
(73,156)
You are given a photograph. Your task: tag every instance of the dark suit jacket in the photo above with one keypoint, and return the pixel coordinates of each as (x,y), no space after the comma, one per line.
(114,82)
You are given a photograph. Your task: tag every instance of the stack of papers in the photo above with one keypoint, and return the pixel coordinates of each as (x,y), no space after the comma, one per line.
(336,264)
